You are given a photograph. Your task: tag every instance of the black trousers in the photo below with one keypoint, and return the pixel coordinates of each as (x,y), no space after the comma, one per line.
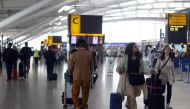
(9,67)
(36,60)
(169,92)
(50,70)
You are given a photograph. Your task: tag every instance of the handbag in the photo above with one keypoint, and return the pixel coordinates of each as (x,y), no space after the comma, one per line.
(136,79)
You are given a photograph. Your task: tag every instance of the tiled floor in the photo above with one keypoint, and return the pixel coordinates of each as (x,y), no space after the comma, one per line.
(38,93)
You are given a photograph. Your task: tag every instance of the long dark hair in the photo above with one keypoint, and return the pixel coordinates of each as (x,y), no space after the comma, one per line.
(129,51)
(162,57)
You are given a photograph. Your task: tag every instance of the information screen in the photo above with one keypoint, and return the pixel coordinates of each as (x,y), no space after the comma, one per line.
(177,34)
(89,40)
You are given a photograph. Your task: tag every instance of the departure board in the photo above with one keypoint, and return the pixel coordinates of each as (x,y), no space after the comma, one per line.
(177,28)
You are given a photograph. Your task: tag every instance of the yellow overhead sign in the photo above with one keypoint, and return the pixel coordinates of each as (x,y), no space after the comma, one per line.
(75,24)
(50,40)
(45,42)
(177,19)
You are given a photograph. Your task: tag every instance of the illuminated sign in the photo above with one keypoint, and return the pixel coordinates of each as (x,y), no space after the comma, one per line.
(88,35)
(50,40)
(177,19)
(54,40)
(45,42)
(75,24)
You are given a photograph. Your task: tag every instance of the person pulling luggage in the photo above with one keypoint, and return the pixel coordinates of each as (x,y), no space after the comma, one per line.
(50,61)
(167,72)
(9,58)
(25,54)
(81,67)
(132,81)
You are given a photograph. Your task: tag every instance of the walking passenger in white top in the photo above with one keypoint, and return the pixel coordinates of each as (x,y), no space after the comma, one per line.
(167,73)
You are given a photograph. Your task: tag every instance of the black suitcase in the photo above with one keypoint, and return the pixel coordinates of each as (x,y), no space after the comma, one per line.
(154,85)
(95,77)
(54,76)
(21,70)
(156,101)
(115,101)
(155,90)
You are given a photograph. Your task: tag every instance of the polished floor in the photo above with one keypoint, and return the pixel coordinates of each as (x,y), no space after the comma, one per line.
(38,93)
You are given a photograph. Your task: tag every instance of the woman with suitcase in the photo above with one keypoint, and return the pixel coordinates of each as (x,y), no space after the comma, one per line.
(167,72)
(132,80)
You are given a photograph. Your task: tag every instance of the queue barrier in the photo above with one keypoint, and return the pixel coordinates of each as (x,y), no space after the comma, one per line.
(185,68)
(176,63)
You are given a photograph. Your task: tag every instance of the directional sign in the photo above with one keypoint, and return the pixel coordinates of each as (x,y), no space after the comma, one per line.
(177,19)
(75,24)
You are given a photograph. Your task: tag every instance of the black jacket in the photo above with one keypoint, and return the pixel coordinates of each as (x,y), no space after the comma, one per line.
(50,57)
(9,55)
(25,53)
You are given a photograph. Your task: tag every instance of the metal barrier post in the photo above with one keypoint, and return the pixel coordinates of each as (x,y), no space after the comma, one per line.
(179,63)
(187,74)
(181,77)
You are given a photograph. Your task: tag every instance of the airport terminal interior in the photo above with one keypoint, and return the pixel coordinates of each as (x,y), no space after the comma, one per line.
(52,30)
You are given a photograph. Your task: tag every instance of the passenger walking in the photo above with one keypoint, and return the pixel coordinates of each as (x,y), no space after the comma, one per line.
(9,58)
(25,54)
(36,56)
(93,51)
(58,57)
(80,65)
(50,61)
(167,73)
(132,81)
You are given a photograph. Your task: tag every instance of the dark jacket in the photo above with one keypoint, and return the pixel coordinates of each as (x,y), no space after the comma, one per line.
(25,53)
(9,55)
(50,57)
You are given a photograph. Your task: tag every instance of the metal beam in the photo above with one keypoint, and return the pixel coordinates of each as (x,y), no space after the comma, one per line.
(41,13)
(31,37)
(24,13)
(137,18)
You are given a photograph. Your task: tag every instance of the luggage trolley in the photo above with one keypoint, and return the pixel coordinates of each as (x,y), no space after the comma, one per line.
(66,97)
(110,66)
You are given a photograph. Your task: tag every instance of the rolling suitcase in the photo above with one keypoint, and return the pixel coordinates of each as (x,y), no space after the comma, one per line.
(95,77)
(15,73)
(155,90)
(154,85)
(115,101)
(21,70)
(156,101)
(54,76)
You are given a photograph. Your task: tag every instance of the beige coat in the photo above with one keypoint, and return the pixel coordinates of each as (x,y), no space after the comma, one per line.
(167,73)
(124,86)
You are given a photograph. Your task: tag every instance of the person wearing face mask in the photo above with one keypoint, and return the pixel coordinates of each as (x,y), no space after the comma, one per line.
(167,72)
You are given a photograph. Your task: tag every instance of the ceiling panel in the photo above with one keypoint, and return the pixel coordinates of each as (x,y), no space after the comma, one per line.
(18,3)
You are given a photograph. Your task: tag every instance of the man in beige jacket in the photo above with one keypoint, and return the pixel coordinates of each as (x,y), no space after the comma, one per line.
(80,66)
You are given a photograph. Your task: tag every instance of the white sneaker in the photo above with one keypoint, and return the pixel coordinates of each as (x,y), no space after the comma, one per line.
(145,107)
(168,106)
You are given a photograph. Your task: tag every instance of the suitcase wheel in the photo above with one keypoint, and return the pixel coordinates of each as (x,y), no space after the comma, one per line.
(65,106)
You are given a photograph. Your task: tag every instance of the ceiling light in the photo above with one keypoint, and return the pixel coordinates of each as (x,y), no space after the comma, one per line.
(64,8)
(63,18)
(72,11)
(59,23)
